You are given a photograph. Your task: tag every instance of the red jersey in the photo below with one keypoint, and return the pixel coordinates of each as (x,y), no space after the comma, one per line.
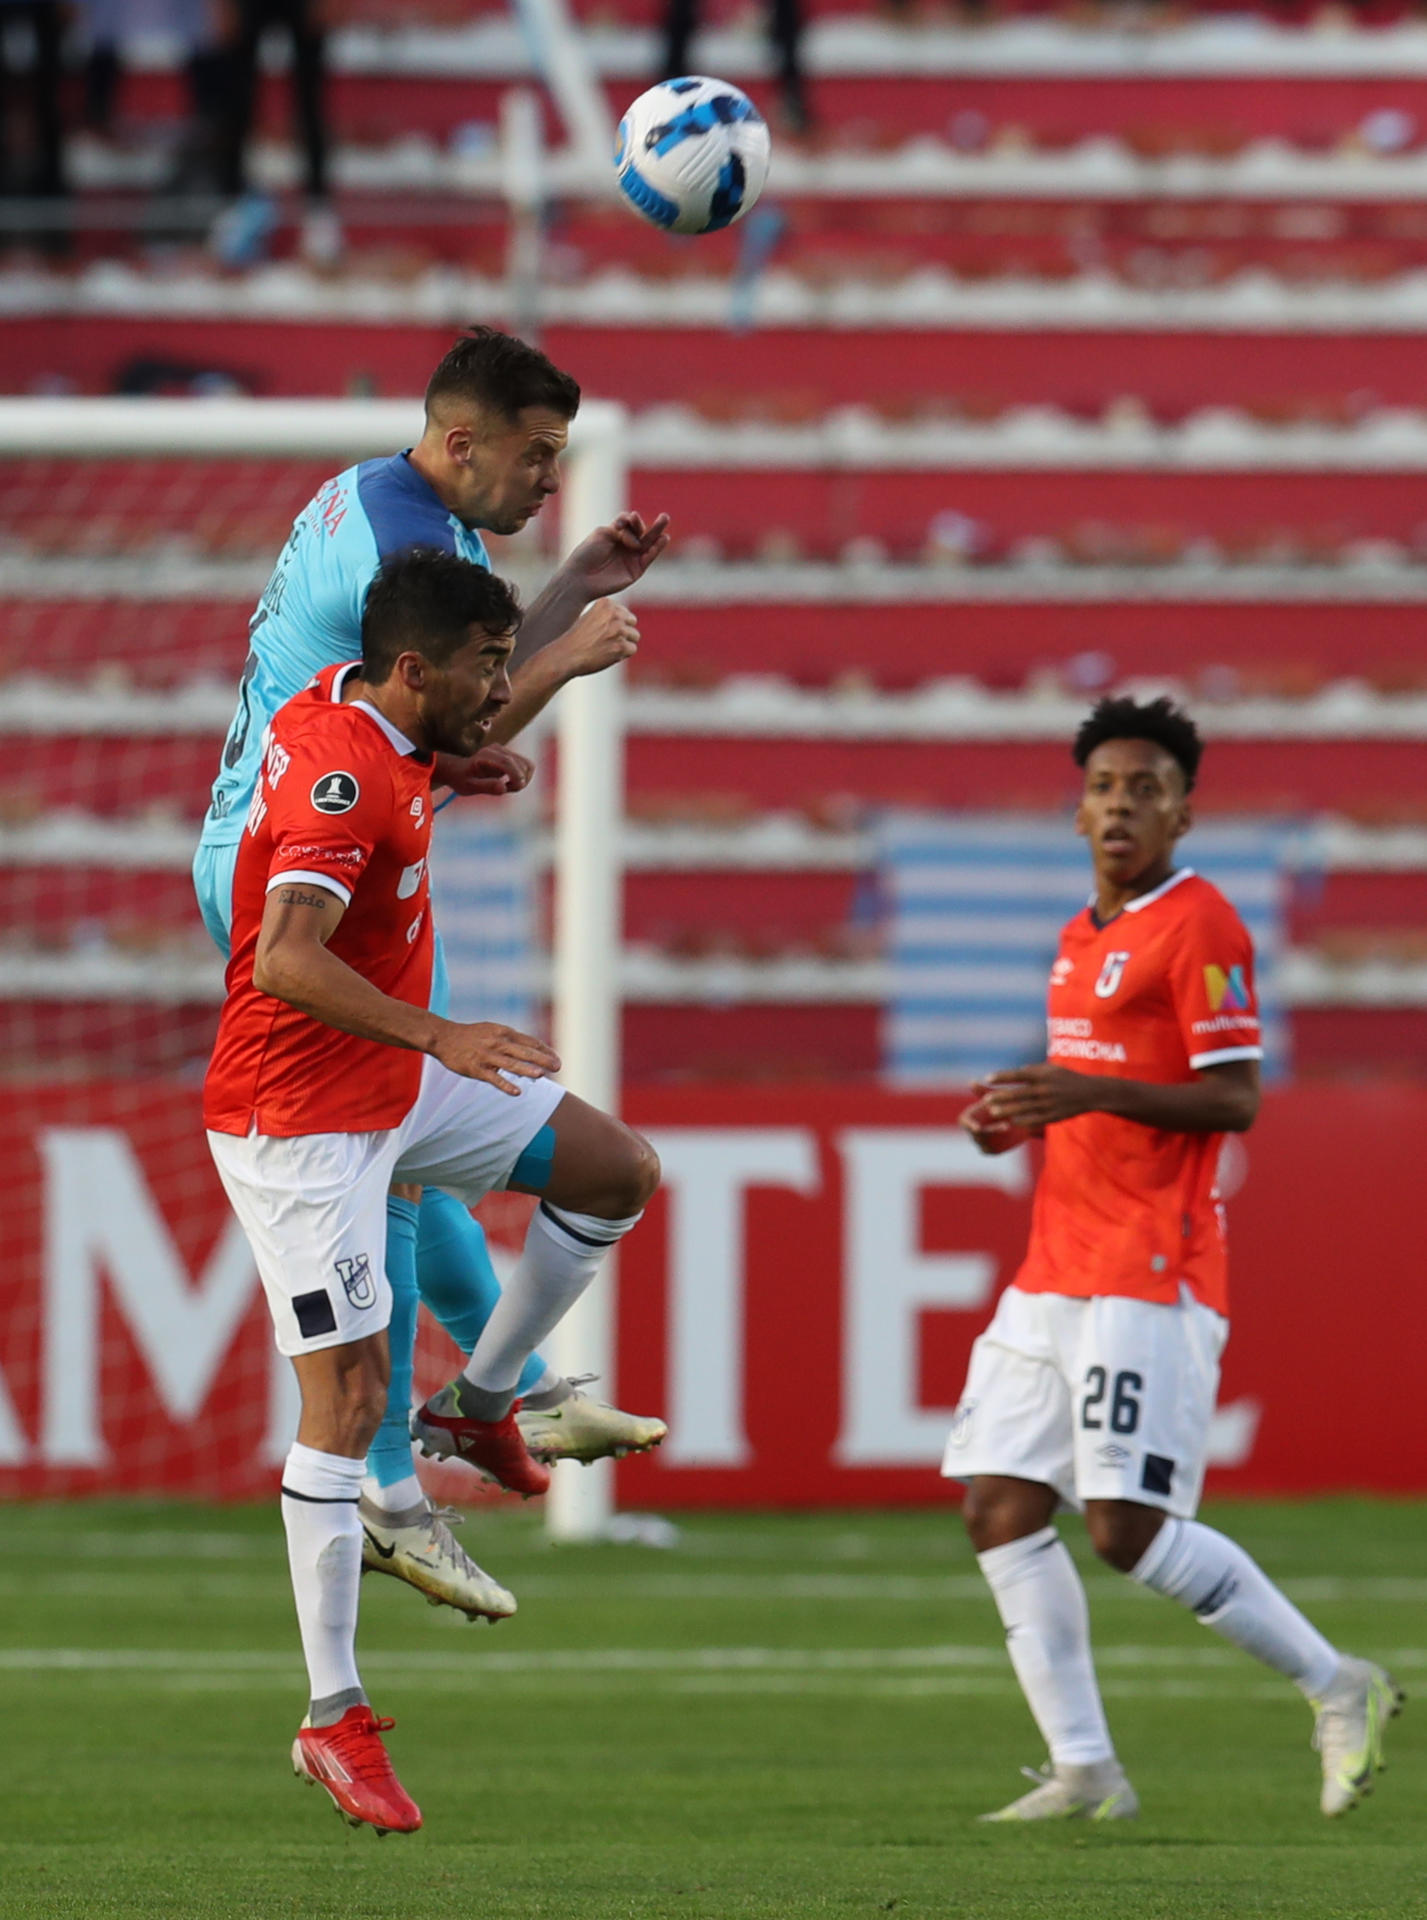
(343,802)
(1160,991)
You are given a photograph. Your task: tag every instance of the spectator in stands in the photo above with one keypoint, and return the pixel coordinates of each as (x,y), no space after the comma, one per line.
(241,233)
(30,98)
(785,32)
(192,29)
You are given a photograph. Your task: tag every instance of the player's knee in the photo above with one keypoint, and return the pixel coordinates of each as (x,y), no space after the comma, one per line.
(978,1516)
(644,1174)
(627,1180)
(1121,1531)
(992,1516)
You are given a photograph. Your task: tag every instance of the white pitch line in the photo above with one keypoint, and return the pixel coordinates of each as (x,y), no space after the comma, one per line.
(750,1589)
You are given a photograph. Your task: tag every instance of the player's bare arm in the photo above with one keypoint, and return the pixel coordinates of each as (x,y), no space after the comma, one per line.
(604,635)
(1222,1099)
(610,560)
(293,964)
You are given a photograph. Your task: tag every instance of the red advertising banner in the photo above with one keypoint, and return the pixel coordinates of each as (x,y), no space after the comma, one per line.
(799,1302)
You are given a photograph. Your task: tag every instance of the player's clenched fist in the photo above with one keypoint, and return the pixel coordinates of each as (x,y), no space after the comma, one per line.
(604,634)
(487,1051)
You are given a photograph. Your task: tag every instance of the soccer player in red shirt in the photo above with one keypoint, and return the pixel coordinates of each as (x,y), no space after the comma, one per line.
(331,1079)
(1094,1384)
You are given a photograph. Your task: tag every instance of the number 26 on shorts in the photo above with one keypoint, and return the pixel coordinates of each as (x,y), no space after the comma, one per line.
(1123,1408)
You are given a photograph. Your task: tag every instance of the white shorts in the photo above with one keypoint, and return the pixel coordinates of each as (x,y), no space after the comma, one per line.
(314,1206)
(1101,1399)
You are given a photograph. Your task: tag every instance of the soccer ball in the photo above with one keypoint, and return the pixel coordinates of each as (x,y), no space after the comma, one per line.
(692,155)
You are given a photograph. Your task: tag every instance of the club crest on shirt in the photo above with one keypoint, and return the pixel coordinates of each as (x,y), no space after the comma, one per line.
(335,793)
(1108,985)
(357,1282)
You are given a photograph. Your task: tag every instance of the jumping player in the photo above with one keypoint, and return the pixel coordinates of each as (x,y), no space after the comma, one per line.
(331,1079)
(1095,1381)
(497,419)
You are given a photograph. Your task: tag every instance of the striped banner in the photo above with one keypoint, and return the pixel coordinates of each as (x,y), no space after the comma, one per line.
(483,890)
(975,904)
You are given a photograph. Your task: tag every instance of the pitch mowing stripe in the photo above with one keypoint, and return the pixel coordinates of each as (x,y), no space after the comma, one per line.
(609,1660)
(591,1585)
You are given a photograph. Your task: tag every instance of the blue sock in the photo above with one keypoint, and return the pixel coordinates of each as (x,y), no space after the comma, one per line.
(456,1278)
(389,1457)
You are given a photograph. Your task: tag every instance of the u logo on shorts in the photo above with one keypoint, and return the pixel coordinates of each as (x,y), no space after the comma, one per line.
(357,1282)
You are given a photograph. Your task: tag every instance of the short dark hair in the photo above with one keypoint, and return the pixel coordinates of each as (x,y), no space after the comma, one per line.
(1160,721)
(426,601)
(502,373)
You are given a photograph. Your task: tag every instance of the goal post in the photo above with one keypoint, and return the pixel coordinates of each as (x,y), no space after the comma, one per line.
(72,432)
(585,1001)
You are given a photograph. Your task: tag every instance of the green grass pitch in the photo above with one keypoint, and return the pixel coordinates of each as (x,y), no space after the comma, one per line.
(779,1717)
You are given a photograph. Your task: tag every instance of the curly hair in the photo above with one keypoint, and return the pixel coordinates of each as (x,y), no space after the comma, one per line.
(1160,721)
(427,602)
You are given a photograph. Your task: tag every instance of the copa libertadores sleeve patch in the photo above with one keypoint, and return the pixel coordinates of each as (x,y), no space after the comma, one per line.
(336,793)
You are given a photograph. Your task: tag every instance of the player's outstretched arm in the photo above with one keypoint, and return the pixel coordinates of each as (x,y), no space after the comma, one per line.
(610,560)
(1222,1099)
(293,964)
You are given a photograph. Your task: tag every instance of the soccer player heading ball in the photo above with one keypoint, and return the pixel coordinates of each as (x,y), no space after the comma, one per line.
(498,416)
(1095,1381)
(331,1078)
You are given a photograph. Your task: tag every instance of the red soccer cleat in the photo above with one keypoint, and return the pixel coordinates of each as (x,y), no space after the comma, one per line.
(495,1448)
(348,1758)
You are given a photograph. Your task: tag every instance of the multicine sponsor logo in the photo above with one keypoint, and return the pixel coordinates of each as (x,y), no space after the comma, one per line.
(1226,989)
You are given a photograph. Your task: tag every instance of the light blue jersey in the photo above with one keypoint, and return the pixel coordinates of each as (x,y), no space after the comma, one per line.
(310,614)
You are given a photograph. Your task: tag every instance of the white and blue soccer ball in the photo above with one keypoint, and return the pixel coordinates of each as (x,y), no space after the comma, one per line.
(692,154)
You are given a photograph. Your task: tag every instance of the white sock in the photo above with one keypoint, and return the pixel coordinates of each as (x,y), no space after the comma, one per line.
(324,1551)
(562,1255)
(1231,1593)
(399,1497)
(550,1390)
(1042,1606)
